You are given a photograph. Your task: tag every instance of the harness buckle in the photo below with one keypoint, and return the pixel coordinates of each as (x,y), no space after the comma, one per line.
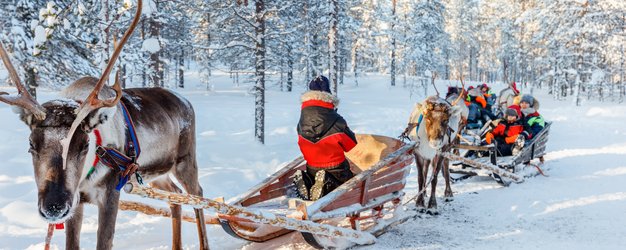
(101,151)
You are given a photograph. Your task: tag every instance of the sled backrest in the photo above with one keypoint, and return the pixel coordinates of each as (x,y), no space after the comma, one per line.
(370,150)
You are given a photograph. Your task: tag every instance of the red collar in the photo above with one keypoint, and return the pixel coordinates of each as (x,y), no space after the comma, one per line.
(318,103)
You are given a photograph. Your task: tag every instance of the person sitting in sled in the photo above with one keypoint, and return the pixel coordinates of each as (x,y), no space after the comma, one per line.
(509,135)
(479,109)
(323,137)
(531,119)
(489,95)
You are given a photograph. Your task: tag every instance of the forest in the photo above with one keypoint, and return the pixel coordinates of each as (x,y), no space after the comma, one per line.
(572,48)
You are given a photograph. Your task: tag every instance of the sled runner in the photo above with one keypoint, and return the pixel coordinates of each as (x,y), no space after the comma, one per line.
(364,203)
(483,160)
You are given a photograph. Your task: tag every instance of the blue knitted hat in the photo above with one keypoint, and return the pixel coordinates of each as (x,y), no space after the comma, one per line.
(320,83)
(528,99)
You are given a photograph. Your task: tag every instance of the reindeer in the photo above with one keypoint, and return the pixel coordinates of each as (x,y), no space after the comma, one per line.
(164,123)
(442,121)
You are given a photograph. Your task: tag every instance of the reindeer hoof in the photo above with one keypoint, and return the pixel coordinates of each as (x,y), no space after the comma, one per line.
(448,198)
(432,211)
(420,210)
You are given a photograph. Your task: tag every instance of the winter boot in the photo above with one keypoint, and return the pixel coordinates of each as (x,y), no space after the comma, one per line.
(317,188)
(301,187)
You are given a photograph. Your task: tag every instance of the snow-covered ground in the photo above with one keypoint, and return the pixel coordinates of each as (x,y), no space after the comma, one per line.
(581,205)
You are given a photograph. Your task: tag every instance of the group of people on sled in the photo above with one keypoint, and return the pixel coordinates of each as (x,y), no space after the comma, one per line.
(512,127)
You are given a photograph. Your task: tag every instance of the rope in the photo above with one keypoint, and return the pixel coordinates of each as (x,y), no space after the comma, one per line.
(488,166)
(49,236)
(420,192)
(538,169)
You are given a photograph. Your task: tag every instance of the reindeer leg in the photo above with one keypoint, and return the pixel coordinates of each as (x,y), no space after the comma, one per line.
(107,215)
(200,223)
(189,179)
(446,175)
(432,203)
(419,202)
(72,228)
(166,184)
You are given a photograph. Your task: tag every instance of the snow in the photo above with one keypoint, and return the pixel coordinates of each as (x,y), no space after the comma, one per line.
(148,7)
(39,39)
(151,45)
(579,206)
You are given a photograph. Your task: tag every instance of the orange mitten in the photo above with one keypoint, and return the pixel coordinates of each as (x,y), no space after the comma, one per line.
(488,137)
(510,139)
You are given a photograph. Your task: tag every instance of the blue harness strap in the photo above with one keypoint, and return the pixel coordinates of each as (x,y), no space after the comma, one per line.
(419,121)
(115,159)
(132,145)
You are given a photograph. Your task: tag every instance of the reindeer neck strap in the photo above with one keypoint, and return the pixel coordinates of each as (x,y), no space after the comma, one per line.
(116,160)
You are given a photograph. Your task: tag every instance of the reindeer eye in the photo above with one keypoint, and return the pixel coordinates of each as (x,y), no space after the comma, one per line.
(86,147)
(32,148)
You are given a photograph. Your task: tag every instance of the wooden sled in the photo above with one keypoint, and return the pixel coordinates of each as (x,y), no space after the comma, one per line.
(381,165)
(504,169)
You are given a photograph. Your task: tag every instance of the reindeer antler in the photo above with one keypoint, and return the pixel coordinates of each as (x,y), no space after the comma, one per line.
(433,76)
(92,102)
(23,98)
(460,94)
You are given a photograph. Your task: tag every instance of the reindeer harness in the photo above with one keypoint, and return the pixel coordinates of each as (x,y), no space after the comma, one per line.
(114,159)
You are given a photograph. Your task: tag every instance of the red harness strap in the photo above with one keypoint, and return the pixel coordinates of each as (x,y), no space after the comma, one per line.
(96,132)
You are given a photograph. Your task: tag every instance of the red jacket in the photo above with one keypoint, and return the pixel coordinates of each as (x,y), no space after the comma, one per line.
(509,131)
(323,135)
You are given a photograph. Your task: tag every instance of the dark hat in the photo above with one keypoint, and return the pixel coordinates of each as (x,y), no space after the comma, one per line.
(511,112)
(320,83)
(528,99)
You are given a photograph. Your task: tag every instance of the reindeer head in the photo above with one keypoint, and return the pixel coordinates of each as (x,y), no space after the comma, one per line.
(57,147)
(437,113)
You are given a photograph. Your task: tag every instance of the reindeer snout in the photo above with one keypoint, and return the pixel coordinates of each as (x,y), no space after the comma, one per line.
(54,204)
(53,211)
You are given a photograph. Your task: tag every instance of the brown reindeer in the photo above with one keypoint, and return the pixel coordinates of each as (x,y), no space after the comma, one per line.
(441,120)
(165,127)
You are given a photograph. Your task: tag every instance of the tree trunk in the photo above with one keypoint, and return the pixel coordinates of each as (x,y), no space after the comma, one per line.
(156,74)
(289,69)
(259,61)
(122,70)
(208,53)
(621,76)
(355,64)
(505,74)
(307,43)
(393,43)
(31,81)
(342,69)
(447,73)
(181,69)
(144,76)
(332,45)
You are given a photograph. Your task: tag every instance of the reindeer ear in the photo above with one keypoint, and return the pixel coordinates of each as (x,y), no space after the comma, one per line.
(419,106)
(98,117)
(25,115)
